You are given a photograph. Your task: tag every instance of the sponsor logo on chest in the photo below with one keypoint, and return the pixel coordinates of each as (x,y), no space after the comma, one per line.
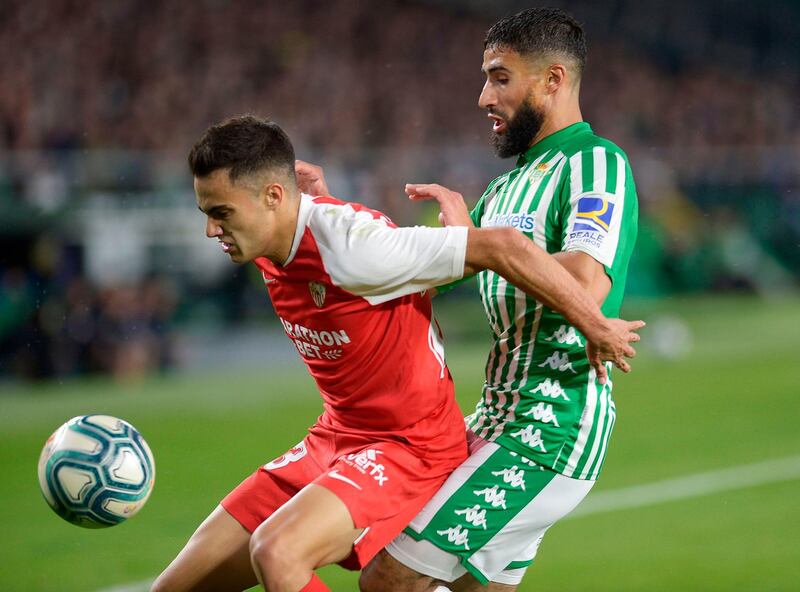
(321,345)
(524,222)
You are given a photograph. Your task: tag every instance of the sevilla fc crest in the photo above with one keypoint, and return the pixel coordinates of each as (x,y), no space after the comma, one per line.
(317,293)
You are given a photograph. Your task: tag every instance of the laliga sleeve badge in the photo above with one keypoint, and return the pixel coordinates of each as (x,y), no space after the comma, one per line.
(317,293)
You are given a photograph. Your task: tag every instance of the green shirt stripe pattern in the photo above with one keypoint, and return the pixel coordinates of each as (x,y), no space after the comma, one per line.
(573,191)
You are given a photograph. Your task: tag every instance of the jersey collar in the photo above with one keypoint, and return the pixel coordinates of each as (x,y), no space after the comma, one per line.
(554,139)
(303,214)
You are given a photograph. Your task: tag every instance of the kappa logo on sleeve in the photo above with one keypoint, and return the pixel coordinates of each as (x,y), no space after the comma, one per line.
(594,214)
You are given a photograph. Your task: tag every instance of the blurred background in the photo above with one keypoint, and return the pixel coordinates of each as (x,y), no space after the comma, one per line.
(111,298)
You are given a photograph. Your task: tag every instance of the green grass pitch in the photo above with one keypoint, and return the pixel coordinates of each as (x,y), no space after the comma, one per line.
(733,399)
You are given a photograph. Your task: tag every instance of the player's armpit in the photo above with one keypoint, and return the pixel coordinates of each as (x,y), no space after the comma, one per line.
(590,273)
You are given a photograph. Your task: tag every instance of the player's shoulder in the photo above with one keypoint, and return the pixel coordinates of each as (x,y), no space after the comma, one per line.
(590,143)
(327,210)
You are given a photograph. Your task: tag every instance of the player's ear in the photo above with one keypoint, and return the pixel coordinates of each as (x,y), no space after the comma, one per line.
(556,77)
(272,195)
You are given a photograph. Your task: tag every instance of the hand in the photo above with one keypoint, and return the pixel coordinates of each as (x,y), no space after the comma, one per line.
(310,178)
(453,209)
(614,346)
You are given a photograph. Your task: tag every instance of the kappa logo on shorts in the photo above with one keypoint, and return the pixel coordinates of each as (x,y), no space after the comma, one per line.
(292,455)
(514,476)
(491,495)
(366,462)
(456,534)
(474,515)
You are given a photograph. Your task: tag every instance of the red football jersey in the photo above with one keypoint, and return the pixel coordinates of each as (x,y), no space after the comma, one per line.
(351,297)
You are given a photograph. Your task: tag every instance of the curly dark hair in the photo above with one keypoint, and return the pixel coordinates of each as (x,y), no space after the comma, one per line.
(540,31)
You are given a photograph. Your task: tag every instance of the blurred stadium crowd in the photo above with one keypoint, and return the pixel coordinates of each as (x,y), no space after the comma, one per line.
(104,99)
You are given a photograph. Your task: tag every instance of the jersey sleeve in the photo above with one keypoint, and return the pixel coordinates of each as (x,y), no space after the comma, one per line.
(369,257)
(475,214)
(594,204)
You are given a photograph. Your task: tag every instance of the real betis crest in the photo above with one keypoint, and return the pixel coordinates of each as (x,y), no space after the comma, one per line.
(317,293)
(539,171)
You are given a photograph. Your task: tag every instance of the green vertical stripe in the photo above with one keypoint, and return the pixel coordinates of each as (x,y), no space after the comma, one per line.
(612,170)
(587,164)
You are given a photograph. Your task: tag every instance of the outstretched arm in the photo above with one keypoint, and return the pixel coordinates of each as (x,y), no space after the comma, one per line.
(507,252)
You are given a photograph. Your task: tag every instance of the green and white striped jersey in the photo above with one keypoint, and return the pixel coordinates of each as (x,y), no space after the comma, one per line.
(573,191)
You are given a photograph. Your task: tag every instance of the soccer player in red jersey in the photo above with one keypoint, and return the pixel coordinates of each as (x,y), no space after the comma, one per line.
(350,290)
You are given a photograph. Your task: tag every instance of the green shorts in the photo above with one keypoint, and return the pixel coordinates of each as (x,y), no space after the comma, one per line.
(488,518)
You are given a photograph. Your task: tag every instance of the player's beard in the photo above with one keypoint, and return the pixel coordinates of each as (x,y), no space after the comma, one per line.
(520,131)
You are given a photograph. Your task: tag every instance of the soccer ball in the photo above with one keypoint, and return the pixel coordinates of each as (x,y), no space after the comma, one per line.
(96,471)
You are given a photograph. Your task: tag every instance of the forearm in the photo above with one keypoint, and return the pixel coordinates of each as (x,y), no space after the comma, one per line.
(535,272)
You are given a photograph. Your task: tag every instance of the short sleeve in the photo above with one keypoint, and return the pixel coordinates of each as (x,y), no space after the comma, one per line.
(476,214)
(594,204)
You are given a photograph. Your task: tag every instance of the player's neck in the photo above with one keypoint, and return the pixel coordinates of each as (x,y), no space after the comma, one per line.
(288,217)
(558,120)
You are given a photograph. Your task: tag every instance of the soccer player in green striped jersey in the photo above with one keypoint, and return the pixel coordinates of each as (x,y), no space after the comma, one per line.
(539,434)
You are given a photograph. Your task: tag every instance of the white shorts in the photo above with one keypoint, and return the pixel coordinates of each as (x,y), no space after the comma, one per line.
(488,518)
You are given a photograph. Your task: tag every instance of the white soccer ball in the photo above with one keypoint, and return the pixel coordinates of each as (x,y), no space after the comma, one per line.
(96,471)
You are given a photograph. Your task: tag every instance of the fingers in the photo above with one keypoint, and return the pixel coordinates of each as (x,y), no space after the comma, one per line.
(636,325)
(600,369)
(430,191)
(305,169)
(622,365)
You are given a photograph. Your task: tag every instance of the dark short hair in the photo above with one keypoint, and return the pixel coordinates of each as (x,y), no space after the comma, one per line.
(244,145)
(540,31)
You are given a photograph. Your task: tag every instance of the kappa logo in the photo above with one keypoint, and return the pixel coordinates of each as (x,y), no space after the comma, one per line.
(565,335)
(558,361)
(457,535)
(474,515)
(292,455)
(317,293)
(492,496)
(552,389)
(543,412)
(531,437)
(594,213)
(513,476)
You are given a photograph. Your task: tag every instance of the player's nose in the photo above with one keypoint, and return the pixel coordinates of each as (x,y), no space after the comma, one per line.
(212,228)
(487,98)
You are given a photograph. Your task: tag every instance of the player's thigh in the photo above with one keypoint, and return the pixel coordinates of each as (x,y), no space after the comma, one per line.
(468,583)
(385,573)
(314,528)
(217,557)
